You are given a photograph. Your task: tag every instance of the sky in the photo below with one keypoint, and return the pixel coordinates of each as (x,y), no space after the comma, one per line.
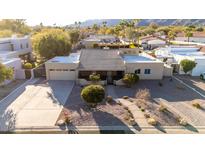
(65,12)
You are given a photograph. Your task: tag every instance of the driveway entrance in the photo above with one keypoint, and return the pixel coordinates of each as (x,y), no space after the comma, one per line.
(39,105)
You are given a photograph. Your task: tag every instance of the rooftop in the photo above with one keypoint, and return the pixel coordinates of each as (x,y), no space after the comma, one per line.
(72,58)
(7,61)
(98,59)
(138,58)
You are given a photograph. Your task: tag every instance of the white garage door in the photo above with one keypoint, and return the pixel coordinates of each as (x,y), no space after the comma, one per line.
(62,75)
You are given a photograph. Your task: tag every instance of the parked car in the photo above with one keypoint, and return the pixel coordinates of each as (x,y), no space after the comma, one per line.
(202,76)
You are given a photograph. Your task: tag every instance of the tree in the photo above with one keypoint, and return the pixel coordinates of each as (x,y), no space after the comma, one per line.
(171,35)
(15,25)
(164,30)
(149,31)
(153,25)
(93,94)
(51,42)
(187,65)
(5,33)
(188,34)
(130,78)
(95,27)
(132,34)
(5,73)
(200,29)
(94,77)
(74,36)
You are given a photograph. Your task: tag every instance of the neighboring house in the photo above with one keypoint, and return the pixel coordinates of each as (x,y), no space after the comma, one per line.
(152,42)
(92,40)
(173,55)
(15,64)
(15,47)
(12,50)
(110,64)
(198,37)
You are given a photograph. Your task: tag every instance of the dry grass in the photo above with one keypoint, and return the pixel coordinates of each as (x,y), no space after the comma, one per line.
(143,94)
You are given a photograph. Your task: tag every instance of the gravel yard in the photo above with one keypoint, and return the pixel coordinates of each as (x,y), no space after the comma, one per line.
(106,114)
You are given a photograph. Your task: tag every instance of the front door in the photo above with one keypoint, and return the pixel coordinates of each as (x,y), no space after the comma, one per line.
(109,77)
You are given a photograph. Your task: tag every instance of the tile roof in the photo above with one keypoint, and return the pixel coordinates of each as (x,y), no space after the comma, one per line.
(96,59)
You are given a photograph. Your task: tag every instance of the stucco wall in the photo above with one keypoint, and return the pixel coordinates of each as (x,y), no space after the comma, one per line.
(168,70)
(60,66)
(156,69)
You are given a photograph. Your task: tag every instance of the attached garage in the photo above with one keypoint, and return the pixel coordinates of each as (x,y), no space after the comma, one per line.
(62,68)
(61,74)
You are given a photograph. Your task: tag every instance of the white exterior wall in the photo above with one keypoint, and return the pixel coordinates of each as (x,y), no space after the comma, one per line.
(156,69)
(61,71)
(5,46)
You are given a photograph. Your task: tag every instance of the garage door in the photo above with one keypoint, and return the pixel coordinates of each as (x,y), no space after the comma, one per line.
(62,75)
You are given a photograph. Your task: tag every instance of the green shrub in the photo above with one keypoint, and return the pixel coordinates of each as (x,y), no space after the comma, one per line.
(94,77)
(152,121)
(162,108)
(187,65)
(183,122)
(125,97)
(196,105)
(130,78)
(27,66)
(93,94)
(109,99)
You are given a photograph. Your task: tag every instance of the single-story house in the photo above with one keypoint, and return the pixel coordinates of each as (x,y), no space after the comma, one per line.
(174,55)
(152,42)
(92,40)
(110,64)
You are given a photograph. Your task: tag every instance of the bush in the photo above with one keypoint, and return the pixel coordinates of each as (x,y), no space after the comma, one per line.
(94,77)
(147,115)
(109,99)
(162,108)
(187,65)
(125,97)
(196,105)
(143,94)
(142,109)
(200,29)
(27,66)
(152,121)
(93,94)
(160,84)
(130,78)
(183,122)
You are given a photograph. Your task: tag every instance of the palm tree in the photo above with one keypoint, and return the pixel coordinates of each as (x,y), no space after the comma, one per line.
(171,35)
(188,34)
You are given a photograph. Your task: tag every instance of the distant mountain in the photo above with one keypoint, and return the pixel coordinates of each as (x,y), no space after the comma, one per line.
(145,22)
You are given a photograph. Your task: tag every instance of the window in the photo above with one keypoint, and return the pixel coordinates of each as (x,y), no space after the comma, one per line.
(138,71)
(26,45)
(21,46)
(72,70)
(147,71)
(51,69)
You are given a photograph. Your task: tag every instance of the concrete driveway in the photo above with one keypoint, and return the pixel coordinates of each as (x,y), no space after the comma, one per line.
(38,105)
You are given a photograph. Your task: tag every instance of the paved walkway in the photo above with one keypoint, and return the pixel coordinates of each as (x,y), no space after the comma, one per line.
(137,113)
(34,105)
